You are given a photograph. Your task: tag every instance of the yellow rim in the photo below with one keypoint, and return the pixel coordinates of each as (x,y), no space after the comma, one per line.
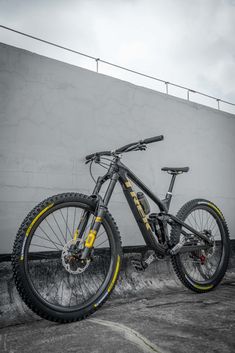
(203,287)
(216,209)
(115,274)
(36,218)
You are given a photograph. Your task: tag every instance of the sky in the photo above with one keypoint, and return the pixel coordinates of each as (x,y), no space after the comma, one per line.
(188,42)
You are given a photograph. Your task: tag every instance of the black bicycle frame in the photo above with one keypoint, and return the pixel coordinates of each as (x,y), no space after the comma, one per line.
(119,172)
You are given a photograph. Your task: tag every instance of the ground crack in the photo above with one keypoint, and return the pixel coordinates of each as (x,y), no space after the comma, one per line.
(130,334)
(184,302)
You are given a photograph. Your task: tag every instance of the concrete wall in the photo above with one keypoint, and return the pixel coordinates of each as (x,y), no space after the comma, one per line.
(52,114)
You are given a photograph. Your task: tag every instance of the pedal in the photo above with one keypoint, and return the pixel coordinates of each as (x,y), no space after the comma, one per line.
(139,265)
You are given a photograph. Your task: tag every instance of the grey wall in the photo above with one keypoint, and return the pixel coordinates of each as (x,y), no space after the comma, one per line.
(52,114)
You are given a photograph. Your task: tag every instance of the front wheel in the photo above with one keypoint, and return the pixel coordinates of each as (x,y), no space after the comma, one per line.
(50,277)
(202,270)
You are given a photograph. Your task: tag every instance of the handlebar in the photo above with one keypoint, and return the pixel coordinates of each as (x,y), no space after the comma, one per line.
(97,154)
(127,148)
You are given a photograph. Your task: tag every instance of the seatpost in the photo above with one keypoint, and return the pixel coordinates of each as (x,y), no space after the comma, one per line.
(169,192)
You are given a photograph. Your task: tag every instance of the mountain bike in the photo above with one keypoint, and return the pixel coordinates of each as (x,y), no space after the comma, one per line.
(67,254)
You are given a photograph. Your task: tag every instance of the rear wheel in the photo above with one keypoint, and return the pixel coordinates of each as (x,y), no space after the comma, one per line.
(202,270)
(52,282)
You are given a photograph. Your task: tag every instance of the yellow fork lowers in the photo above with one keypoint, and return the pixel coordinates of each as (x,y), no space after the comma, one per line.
(91,235)
(90,238)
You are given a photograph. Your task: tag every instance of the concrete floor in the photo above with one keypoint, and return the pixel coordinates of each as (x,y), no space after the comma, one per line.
(152,321)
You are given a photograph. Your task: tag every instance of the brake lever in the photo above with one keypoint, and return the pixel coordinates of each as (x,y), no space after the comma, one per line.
(96,159)
(90,160)
(139,147)
(142,147)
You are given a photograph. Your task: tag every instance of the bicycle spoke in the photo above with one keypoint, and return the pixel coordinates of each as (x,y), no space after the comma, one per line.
(53,232)
(74,217)
(42,246)
(66,227)
(40,227)
(100,235)
(102,243)
(50,241)
(58,227)
(193,215)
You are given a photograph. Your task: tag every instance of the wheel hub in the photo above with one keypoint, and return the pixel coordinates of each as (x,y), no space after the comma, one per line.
(206,254)
(210,251)
(71,258)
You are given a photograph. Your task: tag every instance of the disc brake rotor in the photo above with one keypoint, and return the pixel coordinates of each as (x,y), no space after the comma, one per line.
(71,258)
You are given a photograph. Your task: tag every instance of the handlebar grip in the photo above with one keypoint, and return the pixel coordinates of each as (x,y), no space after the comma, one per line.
(89,156)
(153,139)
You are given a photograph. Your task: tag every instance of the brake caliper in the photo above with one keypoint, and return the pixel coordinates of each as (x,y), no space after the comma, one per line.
(202,259)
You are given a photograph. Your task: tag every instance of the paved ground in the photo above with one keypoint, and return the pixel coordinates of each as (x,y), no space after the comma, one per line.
(161,321)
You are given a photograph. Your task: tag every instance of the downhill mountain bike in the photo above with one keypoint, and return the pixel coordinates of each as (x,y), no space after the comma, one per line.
(67,253)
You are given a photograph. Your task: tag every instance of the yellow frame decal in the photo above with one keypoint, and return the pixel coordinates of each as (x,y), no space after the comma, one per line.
(37,217)
(140,210)
(128,184)
(115,275)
